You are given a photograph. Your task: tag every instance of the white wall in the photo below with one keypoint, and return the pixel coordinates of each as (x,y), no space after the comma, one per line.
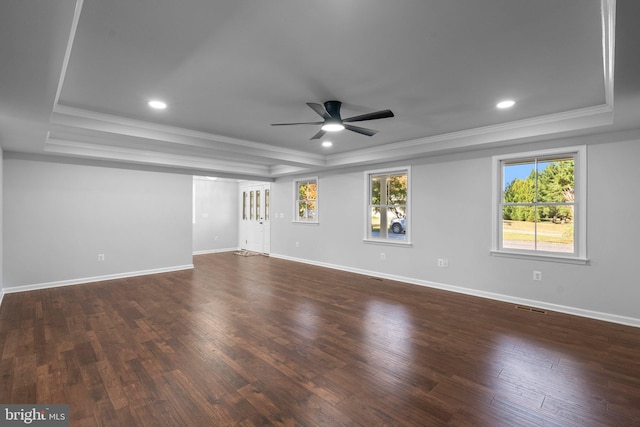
(1,226)
(59,217)
(451,218)
(215,219)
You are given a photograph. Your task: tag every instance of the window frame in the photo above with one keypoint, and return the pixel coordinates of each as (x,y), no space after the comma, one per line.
(579,154)
(296,200)
(367,207)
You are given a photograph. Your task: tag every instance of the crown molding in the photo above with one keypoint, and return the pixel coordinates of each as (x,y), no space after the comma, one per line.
(131,155)
(92,120)
(512,132)
(608,47)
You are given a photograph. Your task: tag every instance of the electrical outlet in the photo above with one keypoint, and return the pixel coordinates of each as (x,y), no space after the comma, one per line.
(297,244)
(537,275)
(443,262)
(100,257)
(215,238)
(383,256)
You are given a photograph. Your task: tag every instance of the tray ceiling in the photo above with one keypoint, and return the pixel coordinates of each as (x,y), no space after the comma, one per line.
(227,70)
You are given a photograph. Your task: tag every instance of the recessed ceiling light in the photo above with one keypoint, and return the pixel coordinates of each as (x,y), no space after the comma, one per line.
(157,104)
(507,103)
(327,143)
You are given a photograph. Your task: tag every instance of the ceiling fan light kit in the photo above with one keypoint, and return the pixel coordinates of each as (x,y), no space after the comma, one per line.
(332,126)
(333,122)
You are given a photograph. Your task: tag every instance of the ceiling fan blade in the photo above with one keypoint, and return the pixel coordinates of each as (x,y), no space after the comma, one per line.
(319,109)
(358,129)
(383,114)
(290,124)
(318,135)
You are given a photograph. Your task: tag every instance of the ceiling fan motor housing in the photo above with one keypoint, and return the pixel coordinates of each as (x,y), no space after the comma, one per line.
(333,108)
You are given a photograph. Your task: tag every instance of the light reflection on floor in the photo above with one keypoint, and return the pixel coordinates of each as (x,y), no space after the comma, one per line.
(388,330)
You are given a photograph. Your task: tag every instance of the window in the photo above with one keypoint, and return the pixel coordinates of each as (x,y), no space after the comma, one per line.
(244,205)
(251,205)
(267,204)
(387,211)
(258,217)
(539,204)
(306,204)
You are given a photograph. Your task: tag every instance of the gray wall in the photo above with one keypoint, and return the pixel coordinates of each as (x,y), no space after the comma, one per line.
(215,220)
(451,218)
(1,227)
(59,217)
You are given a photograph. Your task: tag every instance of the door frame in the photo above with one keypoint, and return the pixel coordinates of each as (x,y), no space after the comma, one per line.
(254,229)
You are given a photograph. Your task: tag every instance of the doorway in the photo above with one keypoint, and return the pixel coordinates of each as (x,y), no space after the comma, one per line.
(255,229)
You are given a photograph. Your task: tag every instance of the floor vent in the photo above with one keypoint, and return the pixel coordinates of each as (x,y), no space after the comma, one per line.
(531,309)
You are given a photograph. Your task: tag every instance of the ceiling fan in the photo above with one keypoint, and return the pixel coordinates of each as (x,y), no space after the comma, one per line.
(330,112)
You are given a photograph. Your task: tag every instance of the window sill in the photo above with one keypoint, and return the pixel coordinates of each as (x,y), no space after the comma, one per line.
(306,222)
(542,257)
(387,242)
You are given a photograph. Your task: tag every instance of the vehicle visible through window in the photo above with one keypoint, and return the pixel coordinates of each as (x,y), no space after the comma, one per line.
(387,209)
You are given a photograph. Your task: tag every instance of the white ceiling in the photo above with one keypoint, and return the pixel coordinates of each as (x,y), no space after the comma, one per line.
(75,78)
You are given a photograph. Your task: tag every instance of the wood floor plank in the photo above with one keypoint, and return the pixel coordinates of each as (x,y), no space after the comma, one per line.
(253,393)
(246,341)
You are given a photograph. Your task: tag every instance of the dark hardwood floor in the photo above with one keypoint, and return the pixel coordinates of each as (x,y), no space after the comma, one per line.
(260,341)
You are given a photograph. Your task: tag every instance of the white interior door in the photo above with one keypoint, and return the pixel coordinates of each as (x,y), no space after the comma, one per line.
(255,230)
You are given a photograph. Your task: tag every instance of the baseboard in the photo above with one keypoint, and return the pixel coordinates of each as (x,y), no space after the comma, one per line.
(83,280)
(215,251)
(1,296)
(607,317)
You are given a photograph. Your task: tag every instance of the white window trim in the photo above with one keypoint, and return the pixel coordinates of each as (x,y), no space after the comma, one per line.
(316,220)
(580,220)
(367,181)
